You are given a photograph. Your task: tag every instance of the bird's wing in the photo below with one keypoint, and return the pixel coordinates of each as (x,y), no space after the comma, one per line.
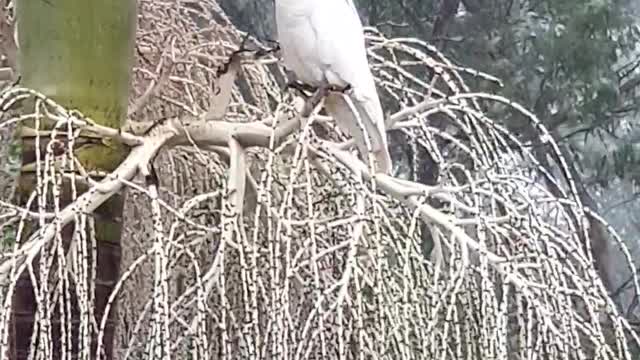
(324,39)
(341,47)
(298,40)
(339,41)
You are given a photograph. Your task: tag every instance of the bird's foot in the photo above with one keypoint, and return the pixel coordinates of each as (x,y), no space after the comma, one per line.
(275,45)
(341,89)
(255,49)
(269,50)
(302,88)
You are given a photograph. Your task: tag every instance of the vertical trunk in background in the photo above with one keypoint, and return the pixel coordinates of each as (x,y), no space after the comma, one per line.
(80,53)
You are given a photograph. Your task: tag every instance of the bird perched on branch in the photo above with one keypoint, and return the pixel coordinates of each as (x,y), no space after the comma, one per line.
(322,42)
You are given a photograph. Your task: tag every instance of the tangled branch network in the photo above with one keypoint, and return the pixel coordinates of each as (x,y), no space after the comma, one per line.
(268,238)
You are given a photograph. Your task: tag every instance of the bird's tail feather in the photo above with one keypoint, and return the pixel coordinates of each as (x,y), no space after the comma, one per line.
(383,161)
(373,122)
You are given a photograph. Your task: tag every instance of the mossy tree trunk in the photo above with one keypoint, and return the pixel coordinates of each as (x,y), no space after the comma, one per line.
(79,53)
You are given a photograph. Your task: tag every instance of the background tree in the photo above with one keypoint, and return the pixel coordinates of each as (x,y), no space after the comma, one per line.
(79,54)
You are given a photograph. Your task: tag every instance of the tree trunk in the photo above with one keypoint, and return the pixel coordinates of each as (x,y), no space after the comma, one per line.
(79,53)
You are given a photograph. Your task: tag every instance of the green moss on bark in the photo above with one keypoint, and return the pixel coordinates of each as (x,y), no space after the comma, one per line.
(80,54)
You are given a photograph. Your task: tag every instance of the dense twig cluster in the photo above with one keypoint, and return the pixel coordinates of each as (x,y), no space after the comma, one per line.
(267,238)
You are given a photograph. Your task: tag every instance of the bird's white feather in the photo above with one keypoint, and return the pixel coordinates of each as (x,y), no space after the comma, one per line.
(361,127)
(323,44)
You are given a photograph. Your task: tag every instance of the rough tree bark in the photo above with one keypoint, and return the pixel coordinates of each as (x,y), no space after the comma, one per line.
(80,53)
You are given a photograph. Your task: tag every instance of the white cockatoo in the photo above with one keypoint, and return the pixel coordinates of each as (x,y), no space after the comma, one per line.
(322,43)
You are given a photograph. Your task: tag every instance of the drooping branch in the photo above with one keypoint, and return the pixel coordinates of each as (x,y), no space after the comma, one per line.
(172,132)
(211,132)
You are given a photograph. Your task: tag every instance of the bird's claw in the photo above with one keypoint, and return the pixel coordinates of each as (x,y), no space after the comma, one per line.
(305,89)
(257,53)
(276,47)
(344,90)
(301,87)
(267,51)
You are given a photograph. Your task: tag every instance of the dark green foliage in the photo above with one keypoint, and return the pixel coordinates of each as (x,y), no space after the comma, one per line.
(564,59)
